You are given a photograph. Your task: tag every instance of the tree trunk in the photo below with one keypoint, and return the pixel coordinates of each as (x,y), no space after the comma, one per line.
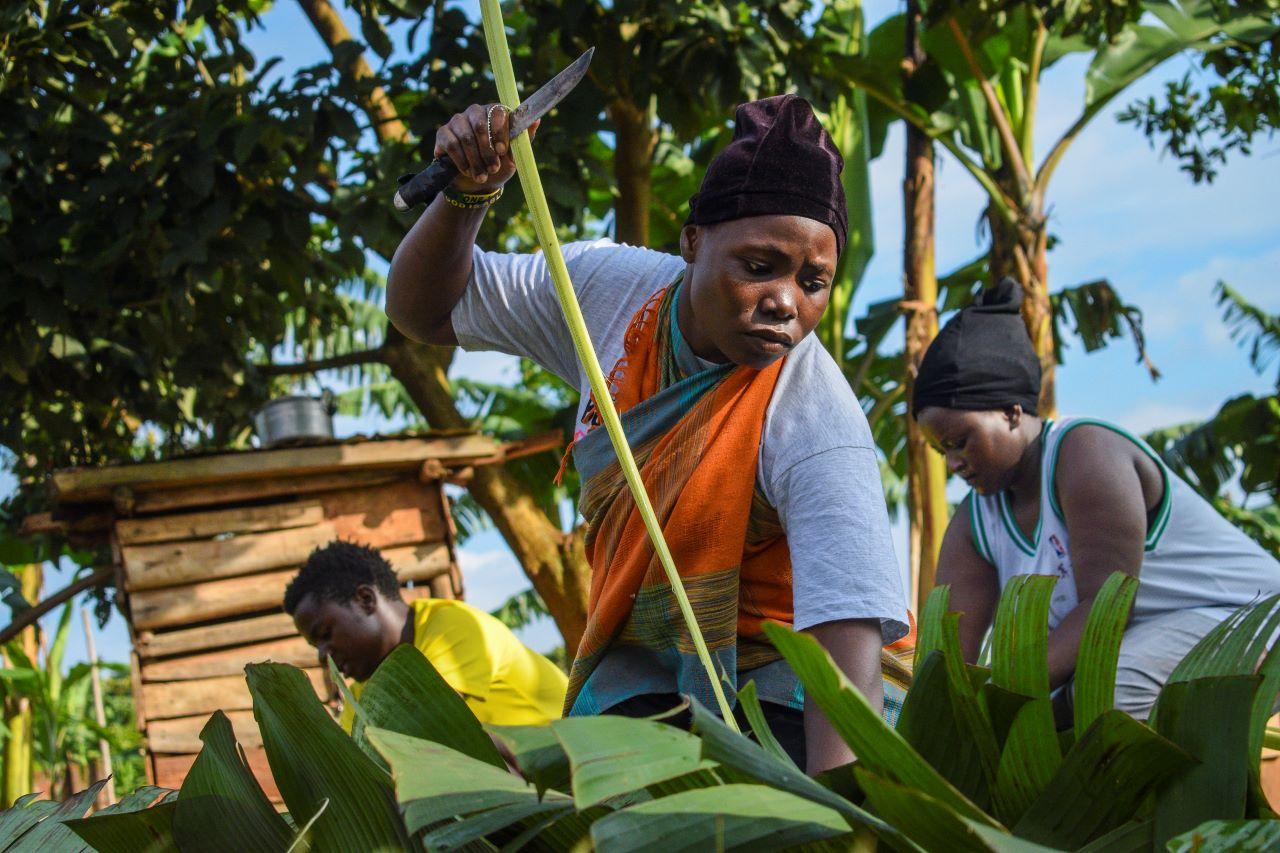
(18,717)
(555,563)
(635,138)
(926,471)
(1021,252)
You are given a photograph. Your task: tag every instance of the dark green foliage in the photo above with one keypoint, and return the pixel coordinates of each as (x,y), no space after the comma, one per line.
(629,784)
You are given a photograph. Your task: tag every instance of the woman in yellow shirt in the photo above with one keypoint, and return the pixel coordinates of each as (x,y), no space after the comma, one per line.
(346,602)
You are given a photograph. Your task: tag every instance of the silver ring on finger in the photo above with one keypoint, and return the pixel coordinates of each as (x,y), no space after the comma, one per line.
(488,121)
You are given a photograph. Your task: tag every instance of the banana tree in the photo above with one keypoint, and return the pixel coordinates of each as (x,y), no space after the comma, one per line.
(979,100)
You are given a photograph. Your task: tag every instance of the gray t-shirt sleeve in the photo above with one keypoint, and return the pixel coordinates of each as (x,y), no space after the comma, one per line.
(819,468)
(842,560)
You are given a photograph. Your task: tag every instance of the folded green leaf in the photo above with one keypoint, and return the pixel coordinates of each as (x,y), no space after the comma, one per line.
(612,756)
(143,831)
(1228,836)
(313,760)
(537,753)
(720,818)
(406,694)
(1209,718)
(1095,678)
(928,723)
(220,805)
(927,822)
(1101,783)
(878,747)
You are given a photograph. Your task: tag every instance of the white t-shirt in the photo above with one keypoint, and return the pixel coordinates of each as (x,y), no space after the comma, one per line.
(817,464)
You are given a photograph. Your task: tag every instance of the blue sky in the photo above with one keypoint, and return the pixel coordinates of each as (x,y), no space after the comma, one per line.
(1120,211)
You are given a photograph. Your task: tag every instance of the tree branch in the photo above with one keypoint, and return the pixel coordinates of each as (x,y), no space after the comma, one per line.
(349,359)
(382,113)
(27,618)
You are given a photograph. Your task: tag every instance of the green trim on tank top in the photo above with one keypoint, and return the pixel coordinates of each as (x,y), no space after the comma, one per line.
(1026,546)
(1160,522)
(976,528)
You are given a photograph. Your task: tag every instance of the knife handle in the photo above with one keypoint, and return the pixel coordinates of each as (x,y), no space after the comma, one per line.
(423,187)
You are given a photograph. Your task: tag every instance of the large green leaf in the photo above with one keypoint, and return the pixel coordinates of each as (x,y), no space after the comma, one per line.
(51,834)
(924,820)
(730,749)
(1030,758)
(1228,836)
(720,818)
(538,754)
(973,716)
(749,702)
(1019,654)
(612,756)
(220,805)
(25,813)
(1095,677)
(928,723)
(313,760)
(1103,779)
(406,694)
(878,747)
(1132,837)
(1209,718)
(929,633)
(1137,49)
(144,797)
(458,797)
(143,831)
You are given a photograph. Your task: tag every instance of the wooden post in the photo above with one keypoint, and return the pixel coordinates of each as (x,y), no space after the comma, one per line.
(18,779)
(107,795)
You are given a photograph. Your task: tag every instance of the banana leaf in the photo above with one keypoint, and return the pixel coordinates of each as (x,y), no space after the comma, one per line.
(749,702)
(928,723)
(457,797)
(1132,837)
(313,760)
(221,806)
(1103,780)
(1019,646)
(1095,677)
(720,818)
(756,763)
(143,831)
(51,834)
(1209,718)
(406,694)
(1228,836)
(974,719)
(537,753)
(25,813)
(613,756)
(927,822)
(878,747)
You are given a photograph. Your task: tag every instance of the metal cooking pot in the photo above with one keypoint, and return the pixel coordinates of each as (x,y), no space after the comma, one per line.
(295,419)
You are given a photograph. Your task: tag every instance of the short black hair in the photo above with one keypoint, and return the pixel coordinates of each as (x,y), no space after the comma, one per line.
(334,571)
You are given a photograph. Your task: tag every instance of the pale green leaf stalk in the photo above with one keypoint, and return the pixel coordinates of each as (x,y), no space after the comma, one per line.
(527,168)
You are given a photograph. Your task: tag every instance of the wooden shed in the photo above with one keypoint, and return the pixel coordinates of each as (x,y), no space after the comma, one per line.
(204,546)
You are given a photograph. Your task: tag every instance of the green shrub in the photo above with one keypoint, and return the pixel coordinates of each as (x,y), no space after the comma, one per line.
(974,764)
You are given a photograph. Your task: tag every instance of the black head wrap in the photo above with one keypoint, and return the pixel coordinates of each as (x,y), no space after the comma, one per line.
(982,359)
(780,161)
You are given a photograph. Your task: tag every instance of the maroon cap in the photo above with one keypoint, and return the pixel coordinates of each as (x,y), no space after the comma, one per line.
(780,161)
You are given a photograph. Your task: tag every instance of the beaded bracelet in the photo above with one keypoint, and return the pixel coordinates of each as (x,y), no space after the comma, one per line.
(471,201)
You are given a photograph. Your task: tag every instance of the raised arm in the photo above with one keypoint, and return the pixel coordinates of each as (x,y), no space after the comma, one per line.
(430,269)
(975,589)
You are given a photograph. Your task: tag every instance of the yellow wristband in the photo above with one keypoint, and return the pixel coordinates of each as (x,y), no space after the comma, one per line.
(471,201)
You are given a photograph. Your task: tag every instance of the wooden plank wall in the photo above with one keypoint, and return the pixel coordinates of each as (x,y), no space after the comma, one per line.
(204,589)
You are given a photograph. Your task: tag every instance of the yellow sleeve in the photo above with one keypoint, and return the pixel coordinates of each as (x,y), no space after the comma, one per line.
(454,640)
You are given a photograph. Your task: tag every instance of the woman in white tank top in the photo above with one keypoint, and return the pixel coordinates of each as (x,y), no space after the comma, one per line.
(1077,499)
